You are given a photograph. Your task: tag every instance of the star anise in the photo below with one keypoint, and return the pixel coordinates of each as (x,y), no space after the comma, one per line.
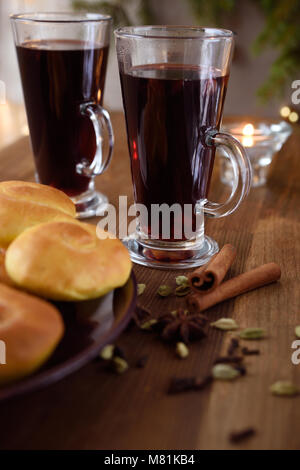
(181,326)
(141,316)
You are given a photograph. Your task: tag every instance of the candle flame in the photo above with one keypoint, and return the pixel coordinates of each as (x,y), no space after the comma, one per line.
(247,141)
(294,116)
(248,130)
(285,111)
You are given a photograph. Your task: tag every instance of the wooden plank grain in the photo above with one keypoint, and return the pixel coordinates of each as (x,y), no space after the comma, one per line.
(95,409)
(276,308)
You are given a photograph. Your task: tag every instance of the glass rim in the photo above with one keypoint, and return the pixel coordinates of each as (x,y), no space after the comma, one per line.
(196,32)
(60,17)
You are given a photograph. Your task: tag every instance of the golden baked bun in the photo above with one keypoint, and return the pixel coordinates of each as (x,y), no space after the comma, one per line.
(4,277)
(24,204)
(30,328)
(67,261)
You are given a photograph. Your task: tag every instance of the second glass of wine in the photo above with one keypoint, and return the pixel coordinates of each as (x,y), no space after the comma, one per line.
(62,60)
(174,82)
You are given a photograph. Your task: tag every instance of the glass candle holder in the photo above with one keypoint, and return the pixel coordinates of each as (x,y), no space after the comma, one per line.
(261,141)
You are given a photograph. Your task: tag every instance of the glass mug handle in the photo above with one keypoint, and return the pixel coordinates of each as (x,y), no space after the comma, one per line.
(242,171)
(100,119)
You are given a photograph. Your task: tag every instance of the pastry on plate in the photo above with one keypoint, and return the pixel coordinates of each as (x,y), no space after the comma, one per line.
(30,329)
(4,277)
(24,204)
(67,261)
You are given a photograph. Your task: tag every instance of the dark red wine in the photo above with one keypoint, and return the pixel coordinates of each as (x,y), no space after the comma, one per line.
(168,110)
(58,76)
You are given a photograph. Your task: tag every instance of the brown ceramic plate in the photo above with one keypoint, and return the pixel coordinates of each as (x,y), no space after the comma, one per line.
(90,325)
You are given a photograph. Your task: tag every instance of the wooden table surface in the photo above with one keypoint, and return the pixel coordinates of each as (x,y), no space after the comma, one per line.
(95,409)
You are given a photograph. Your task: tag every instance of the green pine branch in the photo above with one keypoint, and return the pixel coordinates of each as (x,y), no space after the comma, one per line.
(281,32)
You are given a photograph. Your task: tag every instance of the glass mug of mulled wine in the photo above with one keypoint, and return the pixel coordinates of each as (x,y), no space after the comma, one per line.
(62,60)
(174,82)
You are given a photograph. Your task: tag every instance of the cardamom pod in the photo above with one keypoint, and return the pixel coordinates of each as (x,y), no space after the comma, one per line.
(181,280)
(174,312)
(141,288)
(225,324)
(164,291)
(284,388)
(107,352)
(224,372)
(119,365)
(182,290)
(147,325)
(182,350)
(297,331)
(253,333)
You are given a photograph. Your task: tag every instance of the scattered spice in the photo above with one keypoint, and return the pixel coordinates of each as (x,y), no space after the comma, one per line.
(142,361)
(107,352)
(297,331)
(174,312)
(164,291)
(284,388)
(241,369)
(181,326)
(119,365)
(201,384)
(182,350)
(233,346)
(147,325)
(186,384)
(110,351)
(225,324)
(224,372)
(141,315)
(250,352)
(229,360)
(181,280)
(238,436)
(141,289)
(182,290)
(253,333)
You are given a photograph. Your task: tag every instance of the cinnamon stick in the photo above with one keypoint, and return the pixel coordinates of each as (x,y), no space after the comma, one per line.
(245,282)
(210,276)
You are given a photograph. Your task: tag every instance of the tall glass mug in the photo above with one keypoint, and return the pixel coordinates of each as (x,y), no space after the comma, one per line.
(174,82)
(62,59)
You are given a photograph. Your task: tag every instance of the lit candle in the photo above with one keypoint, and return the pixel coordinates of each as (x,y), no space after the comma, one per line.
(248,132)
(261,140)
